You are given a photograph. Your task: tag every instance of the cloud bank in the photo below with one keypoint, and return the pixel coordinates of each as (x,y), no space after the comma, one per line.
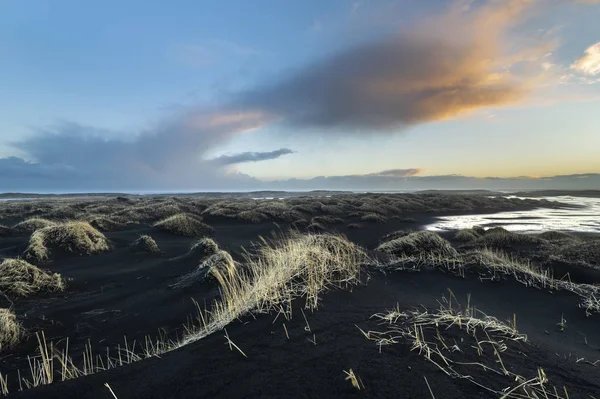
(442,67)
(409,180)
(250,157)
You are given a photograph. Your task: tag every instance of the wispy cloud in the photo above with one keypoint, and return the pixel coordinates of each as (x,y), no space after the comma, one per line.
(250,157)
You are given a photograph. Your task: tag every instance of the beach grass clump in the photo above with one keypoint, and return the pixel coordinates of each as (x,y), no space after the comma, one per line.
(252,216)
(75,237)
(420,243)
(498,237)
(20,278)
(294,266)
(354,226)
(10,329)
(450,339)
(466,235)
(374,218)
(145,243)
(276,273)
(557,236)
(219,260)
(585,253)
(104,223)
(184,224)
(205,247)
(32,224)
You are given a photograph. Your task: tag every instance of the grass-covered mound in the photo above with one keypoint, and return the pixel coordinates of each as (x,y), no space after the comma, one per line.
(557,236)
(200,249)
(373,218)
(184,224)
(420,243)
(205,247)
(20,278)
(74,237)
(10,329)
(585,253)
(467,235)
(30,225)
(104,223)
(499,237)
(145,243)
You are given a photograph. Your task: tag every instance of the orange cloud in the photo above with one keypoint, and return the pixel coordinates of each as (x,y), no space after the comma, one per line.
(589,64)
(443,67)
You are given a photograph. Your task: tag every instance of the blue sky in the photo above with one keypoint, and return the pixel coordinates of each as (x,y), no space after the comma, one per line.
(137,94)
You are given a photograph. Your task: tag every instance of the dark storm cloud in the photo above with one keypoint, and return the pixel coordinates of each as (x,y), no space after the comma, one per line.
(250,157)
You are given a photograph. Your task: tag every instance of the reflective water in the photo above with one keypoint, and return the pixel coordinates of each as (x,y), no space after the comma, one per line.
(583,219)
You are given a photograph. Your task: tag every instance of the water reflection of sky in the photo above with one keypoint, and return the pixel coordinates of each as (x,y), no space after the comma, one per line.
(584,219)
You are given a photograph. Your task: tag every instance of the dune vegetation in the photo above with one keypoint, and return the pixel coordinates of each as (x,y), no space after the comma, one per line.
(30,225)
(145,243)
(10,329)
(20,278)
(74,237)
(184,225)
(285,276)
(420,243)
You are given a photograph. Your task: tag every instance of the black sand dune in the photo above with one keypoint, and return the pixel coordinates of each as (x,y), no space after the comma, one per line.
(127,293)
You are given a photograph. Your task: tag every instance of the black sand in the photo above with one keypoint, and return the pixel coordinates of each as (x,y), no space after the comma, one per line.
(124,293)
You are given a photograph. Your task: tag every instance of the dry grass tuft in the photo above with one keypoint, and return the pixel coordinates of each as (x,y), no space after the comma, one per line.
(276,272)
(558,236)
(466,235)
(252,216)
(20,278)
(184,224)
(215,263)
(374,218)
(104,223)
(482,337)
(145,243)
(499,237)
(76,237)
(585,253)
(30,225)
(418,244)
(10,329)
(205,247)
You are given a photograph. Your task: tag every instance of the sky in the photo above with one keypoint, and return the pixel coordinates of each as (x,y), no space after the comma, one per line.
(298,95)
